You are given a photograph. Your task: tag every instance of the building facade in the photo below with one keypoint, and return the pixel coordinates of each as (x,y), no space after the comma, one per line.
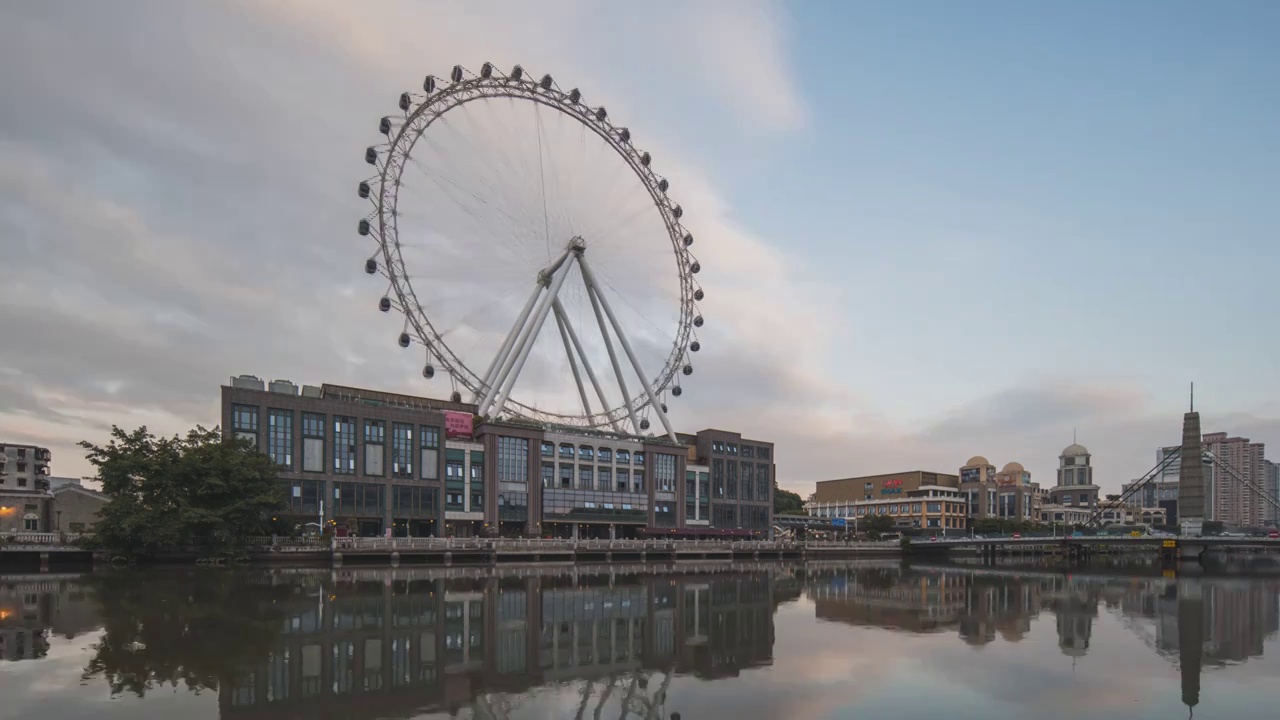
(739,476)
(1075,486)
(24,488)
(1234,502)
(1273,489)
(914,500)
(368,462)
(1162,490)
(1008,494)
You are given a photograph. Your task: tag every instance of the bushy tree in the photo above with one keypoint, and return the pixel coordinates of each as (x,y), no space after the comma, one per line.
(785,501)
(875,525)
(202,490)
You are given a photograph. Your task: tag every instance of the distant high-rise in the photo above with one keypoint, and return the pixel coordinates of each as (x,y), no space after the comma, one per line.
(1270,511)
(1234,502)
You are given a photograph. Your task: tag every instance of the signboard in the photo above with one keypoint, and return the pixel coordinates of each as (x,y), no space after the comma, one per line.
(970,475)
(1170,543)
(838,522)
(457,424)
(891,487)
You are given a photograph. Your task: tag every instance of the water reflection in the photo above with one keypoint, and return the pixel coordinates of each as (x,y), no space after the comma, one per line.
(399,643)
(1194,622)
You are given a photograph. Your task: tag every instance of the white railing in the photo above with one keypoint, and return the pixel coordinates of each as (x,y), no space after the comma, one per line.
(40,539)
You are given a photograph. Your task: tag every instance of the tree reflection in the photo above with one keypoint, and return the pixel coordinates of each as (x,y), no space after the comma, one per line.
(197,629)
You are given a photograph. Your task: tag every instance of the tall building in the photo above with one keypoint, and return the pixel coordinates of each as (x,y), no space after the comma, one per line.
(1234,502)
(1272,513)
(369,462)
(1075,486)
(1162,490)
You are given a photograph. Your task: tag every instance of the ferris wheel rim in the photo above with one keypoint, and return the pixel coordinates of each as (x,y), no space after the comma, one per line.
(493,84)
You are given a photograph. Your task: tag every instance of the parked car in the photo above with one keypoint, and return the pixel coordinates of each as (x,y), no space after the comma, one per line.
(1274,535)
(1017,535)
(933,538)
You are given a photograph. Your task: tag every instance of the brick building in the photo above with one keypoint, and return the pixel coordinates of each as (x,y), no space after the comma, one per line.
(367,462)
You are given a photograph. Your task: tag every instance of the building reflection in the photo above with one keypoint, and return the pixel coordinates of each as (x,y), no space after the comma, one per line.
(401,645)
(1192,622)
(33,608)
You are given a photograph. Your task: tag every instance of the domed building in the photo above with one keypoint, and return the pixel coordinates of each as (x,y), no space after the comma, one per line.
(1075,486)
(1008,494)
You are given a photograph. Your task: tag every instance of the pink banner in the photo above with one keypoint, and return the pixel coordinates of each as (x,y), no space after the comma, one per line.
(457,424)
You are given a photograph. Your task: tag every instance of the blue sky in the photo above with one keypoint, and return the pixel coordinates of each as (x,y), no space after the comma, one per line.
(929,230)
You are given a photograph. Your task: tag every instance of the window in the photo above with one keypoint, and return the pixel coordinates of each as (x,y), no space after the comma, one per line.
(584,478)
(764,486)
(733,449)
(1084,498)
(586,452)
(31,522)
(513,460)
(566,476)
(717,447)
(748,451)
(724,516)
(624,479)
(731,480)
(604,479)
(375,438)
(244,422)
(637,481)
(280,437)
(664,473)
(401,450)
(664,514)
(477,480)
(639,458)
(717,477)
(605,455)
(357,499)
(409,501)
(624,457)
(344,445)
(690,483)
(763,453)
(548,474)
(934,507)
(704,485)
(566,451)
(748,481)
(548,449)
(313,442)
(429,448)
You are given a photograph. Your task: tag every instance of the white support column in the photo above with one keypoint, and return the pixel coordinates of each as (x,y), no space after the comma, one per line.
(507,343)
(491,375)
(586,364)
(573,364)
(626,346)
(515,364)
(613,359)
(528,332)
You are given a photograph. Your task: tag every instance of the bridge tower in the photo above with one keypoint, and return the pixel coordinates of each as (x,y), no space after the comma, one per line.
(1191,472)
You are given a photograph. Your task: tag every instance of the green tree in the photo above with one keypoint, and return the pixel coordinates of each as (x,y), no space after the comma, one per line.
(875,525)
(201,490)
(785,501)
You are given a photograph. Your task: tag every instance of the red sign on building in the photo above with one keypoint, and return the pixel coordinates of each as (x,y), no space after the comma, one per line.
(458,425)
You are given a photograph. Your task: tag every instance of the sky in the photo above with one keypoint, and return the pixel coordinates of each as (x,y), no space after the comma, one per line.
(928,230)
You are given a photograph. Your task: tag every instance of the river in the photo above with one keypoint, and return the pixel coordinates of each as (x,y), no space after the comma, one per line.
(824,640)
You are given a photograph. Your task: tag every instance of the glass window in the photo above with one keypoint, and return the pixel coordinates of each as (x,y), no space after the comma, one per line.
(764,486)
(586,452)
(665,472)
(566,451)
(637,481)
(566,476)
(548,474)
(731,480)
(623,479)
(733,449)
(748,451)
(548,449)
(243,417)
(344,445)
(639,458)
(584,478)
(717,477)
(375,434)
(280,437)
(313,425)
(513,460)
(624,457)
(934,507)
(604,479)
(748,481)
(402,450)
(429,437)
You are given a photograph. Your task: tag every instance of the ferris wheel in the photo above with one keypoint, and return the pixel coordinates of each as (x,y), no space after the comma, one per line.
(495,187)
